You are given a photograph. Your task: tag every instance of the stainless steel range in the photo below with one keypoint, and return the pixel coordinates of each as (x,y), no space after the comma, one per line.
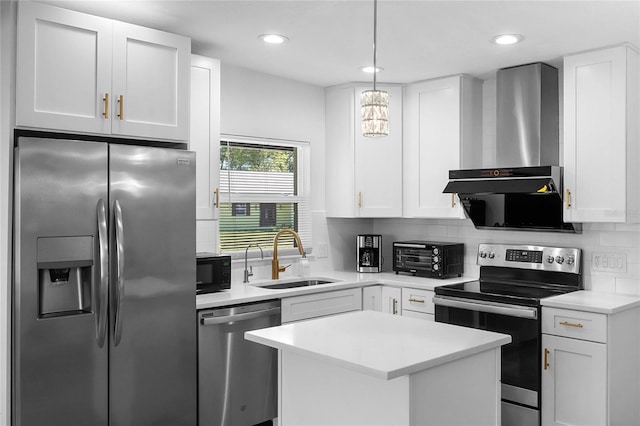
(506,299)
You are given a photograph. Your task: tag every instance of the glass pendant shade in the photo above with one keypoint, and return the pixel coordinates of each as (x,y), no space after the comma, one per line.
(374,107)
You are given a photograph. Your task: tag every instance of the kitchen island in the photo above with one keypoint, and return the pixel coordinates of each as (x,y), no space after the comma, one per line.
(370,368)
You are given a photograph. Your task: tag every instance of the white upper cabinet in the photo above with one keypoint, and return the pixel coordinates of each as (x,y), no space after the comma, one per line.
(363,175)
(204,135)
(601,136)
(86,74)
(442,132)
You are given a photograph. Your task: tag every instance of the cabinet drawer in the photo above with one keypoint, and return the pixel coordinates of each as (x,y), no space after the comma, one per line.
(419,315)
(321,304)
(575,324)
(417,300)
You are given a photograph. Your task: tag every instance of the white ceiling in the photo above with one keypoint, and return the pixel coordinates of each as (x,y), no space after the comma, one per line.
(418,39)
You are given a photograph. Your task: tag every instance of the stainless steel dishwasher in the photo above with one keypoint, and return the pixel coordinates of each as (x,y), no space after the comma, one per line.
(237,379)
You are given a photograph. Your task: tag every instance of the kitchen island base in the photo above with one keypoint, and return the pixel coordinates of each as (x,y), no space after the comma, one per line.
(316,392)
(370,368)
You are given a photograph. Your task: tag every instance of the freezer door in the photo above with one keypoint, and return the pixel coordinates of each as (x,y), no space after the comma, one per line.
(153,286)
(60,366)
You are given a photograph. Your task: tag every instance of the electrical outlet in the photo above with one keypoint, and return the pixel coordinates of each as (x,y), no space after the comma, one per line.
(322,250)
(609,262)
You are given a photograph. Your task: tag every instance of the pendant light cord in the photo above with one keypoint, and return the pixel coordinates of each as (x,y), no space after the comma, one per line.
(375,28)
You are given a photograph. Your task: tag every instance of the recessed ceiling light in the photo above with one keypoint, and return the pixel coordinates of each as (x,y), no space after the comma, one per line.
(273,38)
(507,39)
(369,69)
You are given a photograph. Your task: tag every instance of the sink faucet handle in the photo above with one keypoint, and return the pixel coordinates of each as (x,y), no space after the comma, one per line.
(283,268)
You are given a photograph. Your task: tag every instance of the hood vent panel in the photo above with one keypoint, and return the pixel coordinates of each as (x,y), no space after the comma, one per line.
(502,186)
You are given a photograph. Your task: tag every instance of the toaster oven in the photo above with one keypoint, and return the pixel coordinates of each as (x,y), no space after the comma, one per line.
(428,259)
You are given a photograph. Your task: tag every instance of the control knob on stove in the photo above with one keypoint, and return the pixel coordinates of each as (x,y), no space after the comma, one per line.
(492,255)
(436,267)
(560,260)
(571,260)
(483,254)
(550,259)
(435,259)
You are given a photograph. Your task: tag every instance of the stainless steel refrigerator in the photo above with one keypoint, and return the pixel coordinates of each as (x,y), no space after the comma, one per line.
(104,318)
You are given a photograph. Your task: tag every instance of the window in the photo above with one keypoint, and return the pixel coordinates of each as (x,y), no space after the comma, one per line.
(263,189)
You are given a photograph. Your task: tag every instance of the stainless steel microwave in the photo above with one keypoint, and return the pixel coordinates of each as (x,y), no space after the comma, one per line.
(213,273)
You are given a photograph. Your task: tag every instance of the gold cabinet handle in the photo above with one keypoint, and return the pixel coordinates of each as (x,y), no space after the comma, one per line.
(105,99)
(571,324)
(395,306)
(121,107)
(546,359)
(416,300)
(453,200)
(359,199)
(216,199)
(567,198)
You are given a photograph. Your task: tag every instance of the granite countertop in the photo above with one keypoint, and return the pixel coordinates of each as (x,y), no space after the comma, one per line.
(593,301)
(252,292)
(377,344)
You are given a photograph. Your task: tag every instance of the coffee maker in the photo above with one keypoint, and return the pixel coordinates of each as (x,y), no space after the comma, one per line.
(369,253)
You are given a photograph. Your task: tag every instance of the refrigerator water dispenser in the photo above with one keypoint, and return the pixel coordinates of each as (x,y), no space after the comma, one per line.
(64,275)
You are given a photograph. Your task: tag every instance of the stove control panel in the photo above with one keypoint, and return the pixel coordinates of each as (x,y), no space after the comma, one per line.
(562,259)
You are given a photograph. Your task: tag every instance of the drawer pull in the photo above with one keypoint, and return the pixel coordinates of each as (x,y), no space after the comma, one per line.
(394,310)
(546,360)
(568,198)
(571,324)
(416,300)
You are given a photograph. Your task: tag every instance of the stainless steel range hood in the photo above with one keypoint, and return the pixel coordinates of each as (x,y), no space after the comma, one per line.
(524,191)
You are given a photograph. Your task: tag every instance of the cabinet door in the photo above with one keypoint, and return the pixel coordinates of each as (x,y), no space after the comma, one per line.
(574,382)
(340,173)
(204,134)
(392,300)
(151,73)
(321,304)
(372,298)
(600,150)
(378,162)
(363,175)
(63,69)
(442,120)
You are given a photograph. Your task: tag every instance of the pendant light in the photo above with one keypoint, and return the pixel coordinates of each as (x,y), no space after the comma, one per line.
(374,104)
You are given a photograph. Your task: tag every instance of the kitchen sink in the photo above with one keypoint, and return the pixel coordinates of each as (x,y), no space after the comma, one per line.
(294,284)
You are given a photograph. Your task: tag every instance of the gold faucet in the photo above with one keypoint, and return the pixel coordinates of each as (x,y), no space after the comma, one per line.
(275,265)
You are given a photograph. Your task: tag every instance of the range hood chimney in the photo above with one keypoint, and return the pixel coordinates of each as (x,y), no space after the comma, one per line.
(527,116)
(524,190)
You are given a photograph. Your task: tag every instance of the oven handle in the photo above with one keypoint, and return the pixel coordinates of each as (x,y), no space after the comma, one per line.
(489,307)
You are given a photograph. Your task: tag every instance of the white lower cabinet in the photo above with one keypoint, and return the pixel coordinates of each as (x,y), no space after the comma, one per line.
(409,302)
(372,298)
(418,303)
(590,367)
(321,304)
(391,300)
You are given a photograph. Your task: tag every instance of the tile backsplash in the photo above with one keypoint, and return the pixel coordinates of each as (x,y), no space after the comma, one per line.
(611,252)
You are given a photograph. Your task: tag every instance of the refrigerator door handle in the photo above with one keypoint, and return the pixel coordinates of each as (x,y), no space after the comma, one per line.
(117,333)
(103,262)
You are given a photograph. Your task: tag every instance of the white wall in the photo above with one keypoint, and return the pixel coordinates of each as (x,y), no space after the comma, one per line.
(262,105)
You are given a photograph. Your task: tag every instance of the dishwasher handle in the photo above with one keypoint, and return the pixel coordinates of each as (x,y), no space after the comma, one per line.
(239,317)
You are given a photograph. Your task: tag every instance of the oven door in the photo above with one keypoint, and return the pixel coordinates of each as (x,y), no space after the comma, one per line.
(520,358)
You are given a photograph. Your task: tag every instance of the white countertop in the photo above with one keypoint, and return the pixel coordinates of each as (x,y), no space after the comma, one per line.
(593,301)
(378,344)
(252,292)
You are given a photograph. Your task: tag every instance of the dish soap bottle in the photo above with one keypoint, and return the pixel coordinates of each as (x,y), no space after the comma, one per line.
(304,268)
